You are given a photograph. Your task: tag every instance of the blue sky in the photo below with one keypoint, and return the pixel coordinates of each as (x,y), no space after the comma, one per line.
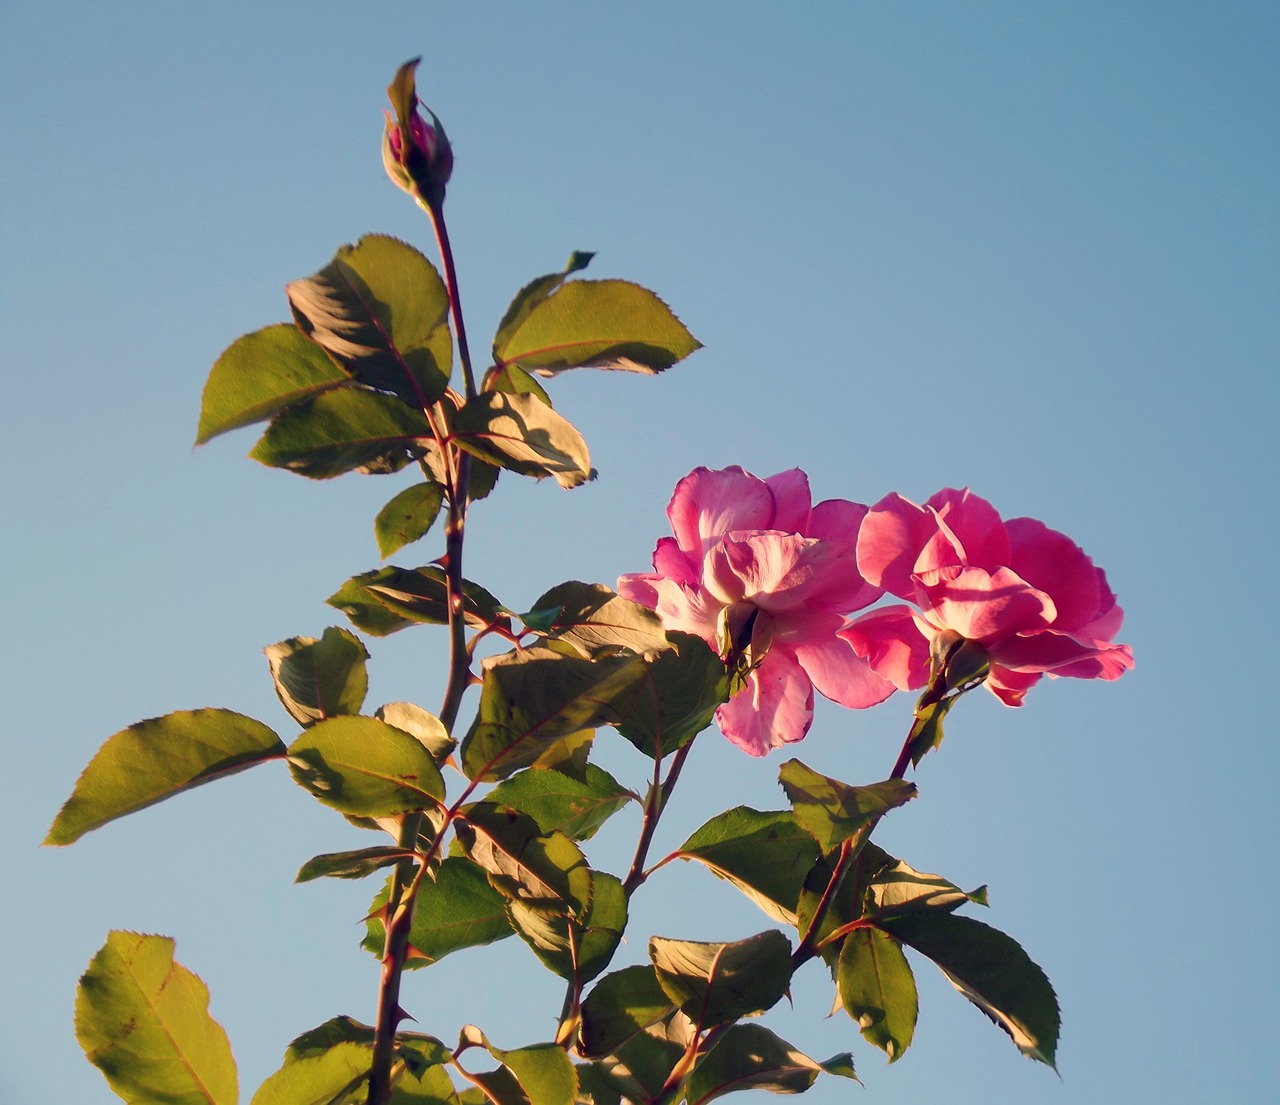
(1030,249)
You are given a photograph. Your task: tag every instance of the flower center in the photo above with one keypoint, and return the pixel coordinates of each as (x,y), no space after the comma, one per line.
(745,633)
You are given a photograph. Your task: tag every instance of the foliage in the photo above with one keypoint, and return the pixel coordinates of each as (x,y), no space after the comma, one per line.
(745,615)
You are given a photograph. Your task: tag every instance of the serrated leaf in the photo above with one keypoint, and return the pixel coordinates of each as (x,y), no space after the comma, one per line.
(766,855)
(522,434)
(574,806)
(143,1020)
(407,517)
(386,600)
(926,731)
(833,811)
(544,870)
(595,620)
(319,678)
(597,324)
(640,1068)
(155,759)
(427,729)
(543,1072)
(533,697)
(878,990)
(262,374)
(417,1050)
(349,865)
(514,380)
(340,431)
(457,909)
(750,1057)
(716,983)
(336,1076)
(898,888)
(677,698)
(364,767)
(533,293)
(620,1005)
(576,949)
(594,1088)
(992,971)
(379,307)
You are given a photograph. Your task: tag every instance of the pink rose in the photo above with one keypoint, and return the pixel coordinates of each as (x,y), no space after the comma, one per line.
(1025,594)
(766,580)
(416,153)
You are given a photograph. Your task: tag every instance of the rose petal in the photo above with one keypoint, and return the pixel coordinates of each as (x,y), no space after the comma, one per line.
(976,525)
(791,502)
(1010,687)
(708,504)
(893,645)
(889,540)
(1053,563)
(840,674)
(988,606)
(774,708)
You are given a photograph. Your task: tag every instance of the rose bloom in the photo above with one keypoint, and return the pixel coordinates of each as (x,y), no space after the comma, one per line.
(766,580)
(1026,594)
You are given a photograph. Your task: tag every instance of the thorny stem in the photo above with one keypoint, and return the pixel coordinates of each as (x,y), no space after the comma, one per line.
(406,879)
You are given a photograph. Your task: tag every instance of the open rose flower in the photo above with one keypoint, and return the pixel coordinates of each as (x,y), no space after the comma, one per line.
(1027,596)
(766,579)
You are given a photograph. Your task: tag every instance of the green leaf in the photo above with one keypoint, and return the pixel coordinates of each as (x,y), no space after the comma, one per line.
(427,729)
(514,380)
(407,517)
(532,294)
(597,324)
(343,431)
(833,811)
(992,971)
(765,855)
(143,1020)
(386,600)
(620,1005)
(898,888)
(415,1049)
(677,699)
(543,870)
(349,865)
(750,1057)
(379,307)
(595,620)
(362,766)
(572,948)
(878,990)
(318,679)
(594,1088)
(521,433)
(641,1067)
(543,1072)
(262,374)
(715,983)
(533,697)
(926,731)
(459,909)
(155,759)
(336,1076)
(576,807)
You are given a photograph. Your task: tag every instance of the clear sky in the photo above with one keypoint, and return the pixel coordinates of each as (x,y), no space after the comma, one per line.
(1032,249)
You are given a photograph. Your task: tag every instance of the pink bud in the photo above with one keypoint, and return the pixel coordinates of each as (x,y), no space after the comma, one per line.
(415,152)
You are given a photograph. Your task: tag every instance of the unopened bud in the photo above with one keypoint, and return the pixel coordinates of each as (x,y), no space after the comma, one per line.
(415,152)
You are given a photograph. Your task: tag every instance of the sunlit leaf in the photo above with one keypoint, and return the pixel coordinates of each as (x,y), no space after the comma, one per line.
(766,855)
(715,983)
(597,324)
(833,811)
(620,1005)
(262,374)
(595,620)
(335,1076)
(343,431)
(576,948)
(427,729)
(555,800)
(349,865)
(407,517)
(319,678)
(379,308)
(389,599)
(544,1072)
(524,864)
(878,990)
(143,1020)
(363,766)
(898,888)
(677,698)
(152,760)
(992,971)
(521,433)
(532,294)
(533,697)
(750,1057)
(457,909)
